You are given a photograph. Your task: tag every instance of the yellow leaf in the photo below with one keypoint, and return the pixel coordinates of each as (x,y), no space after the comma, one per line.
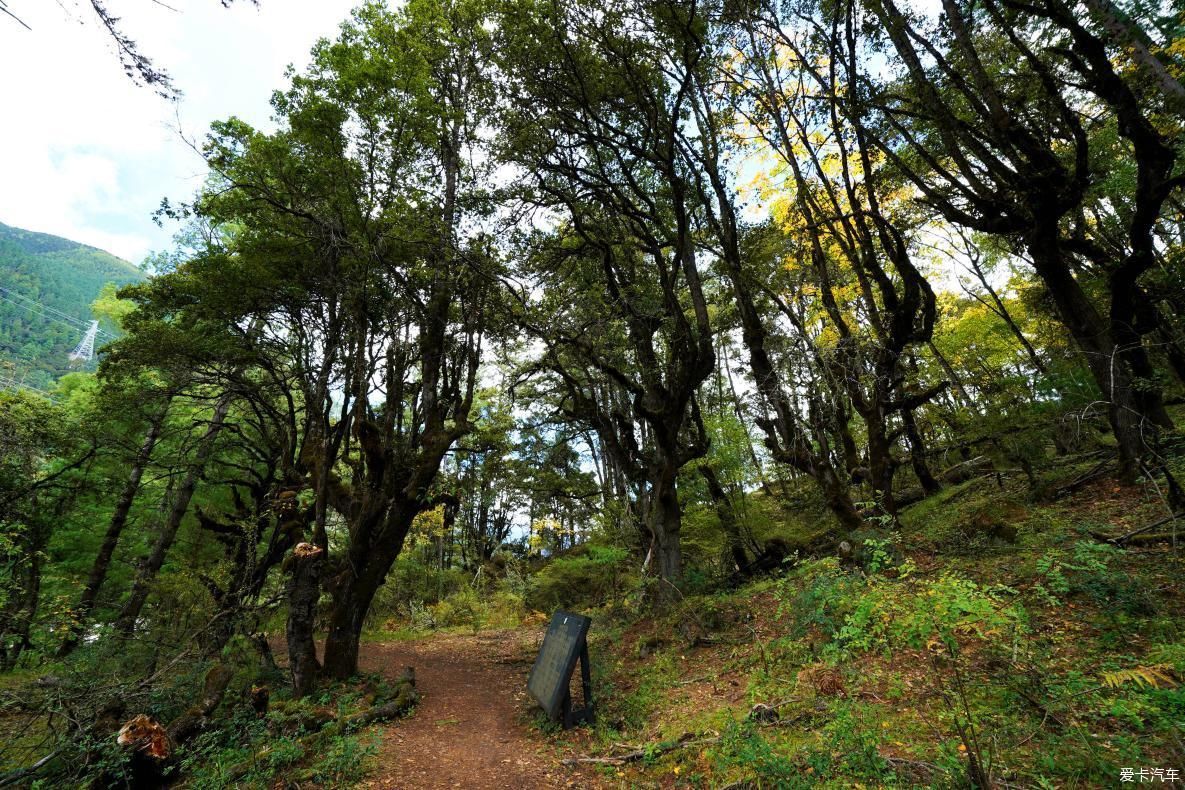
(1156,676)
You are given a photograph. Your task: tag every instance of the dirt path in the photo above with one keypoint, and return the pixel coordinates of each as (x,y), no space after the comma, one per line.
(471,728)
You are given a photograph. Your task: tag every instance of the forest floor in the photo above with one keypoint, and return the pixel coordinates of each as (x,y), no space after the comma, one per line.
(1008,630)
(473,726)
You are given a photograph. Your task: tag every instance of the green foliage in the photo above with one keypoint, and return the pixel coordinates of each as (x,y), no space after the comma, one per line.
(346,761)
(850,747)
(342,284)
(815,596)
(247,750)
(63,275)
(846,746)
(466,607)
(742,750)
(40,446)
(875,613)
(1090,569)
(881,555)
(589,575)
(630,705)
(889,615)
(1155,676)
(416,582)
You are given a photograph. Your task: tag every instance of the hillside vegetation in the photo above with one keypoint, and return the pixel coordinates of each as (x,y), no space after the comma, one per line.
(60,274)
(1001,641)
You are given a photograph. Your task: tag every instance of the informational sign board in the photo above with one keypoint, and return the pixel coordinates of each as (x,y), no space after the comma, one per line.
(564,644)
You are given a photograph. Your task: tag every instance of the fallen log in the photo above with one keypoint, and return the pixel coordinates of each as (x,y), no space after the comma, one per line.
(640,753)
(1143,539)
(152,746)
(192,721)
(1154,537)
(291,718)
(390,710)
(404,700)
(150,751)
(1097,471)
(1127,537)
(965,470)
(1140,535)
(12,777)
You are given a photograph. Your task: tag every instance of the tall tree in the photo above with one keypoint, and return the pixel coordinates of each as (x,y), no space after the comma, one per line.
(997,120)
(111,538)
(349,247)
(594,123)
(41,448)
(845,226)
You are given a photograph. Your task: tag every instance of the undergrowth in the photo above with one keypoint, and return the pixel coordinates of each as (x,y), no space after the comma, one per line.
(1049,659)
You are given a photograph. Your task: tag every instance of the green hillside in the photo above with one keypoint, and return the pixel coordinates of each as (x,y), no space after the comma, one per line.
(60,274)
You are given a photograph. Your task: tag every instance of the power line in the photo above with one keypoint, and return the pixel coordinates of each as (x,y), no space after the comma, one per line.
(51,313)
(10,383)
(41,313)
(39,304)
(85,350)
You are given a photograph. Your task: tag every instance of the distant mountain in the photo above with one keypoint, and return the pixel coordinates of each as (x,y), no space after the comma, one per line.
(47,284)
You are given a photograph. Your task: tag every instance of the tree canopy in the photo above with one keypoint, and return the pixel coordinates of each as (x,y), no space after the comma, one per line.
(516,281)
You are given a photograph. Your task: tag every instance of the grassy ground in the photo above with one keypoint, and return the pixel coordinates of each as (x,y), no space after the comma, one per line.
(993,636)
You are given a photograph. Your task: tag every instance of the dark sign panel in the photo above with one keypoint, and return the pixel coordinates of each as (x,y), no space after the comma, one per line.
(562,646)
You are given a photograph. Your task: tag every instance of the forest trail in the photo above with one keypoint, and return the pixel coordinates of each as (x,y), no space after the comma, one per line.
(470,729)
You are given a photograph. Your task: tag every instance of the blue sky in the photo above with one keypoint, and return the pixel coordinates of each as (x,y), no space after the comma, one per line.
(86,154)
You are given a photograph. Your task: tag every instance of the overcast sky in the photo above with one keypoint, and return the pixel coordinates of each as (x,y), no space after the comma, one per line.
(85,153)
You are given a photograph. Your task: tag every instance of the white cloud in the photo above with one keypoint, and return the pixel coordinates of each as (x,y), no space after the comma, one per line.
(86,154)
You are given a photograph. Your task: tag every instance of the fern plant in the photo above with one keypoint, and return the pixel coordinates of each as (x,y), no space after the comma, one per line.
(1157,676)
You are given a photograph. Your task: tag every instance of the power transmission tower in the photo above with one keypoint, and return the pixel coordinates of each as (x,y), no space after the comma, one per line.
(85,350)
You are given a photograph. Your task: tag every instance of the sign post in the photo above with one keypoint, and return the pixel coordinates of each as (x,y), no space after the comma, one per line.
(564,644)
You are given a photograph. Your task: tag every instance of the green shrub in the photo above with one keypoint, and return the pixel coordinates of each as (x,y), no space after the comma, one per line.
(587,576)
(346,761)
(858,615)
(743,749)
(1090,569)
(816,596)
(278,750)
(465,607)
(890,615)
(504,609)
(626,704)
(412,585)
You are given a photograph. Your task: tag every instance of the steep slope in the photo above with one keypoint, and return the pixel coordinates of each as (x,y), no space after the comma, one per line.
(39,271)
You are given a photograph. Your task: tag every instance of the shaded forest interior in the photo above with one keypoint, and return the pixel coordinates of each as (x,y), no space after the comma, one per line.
(830,353)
